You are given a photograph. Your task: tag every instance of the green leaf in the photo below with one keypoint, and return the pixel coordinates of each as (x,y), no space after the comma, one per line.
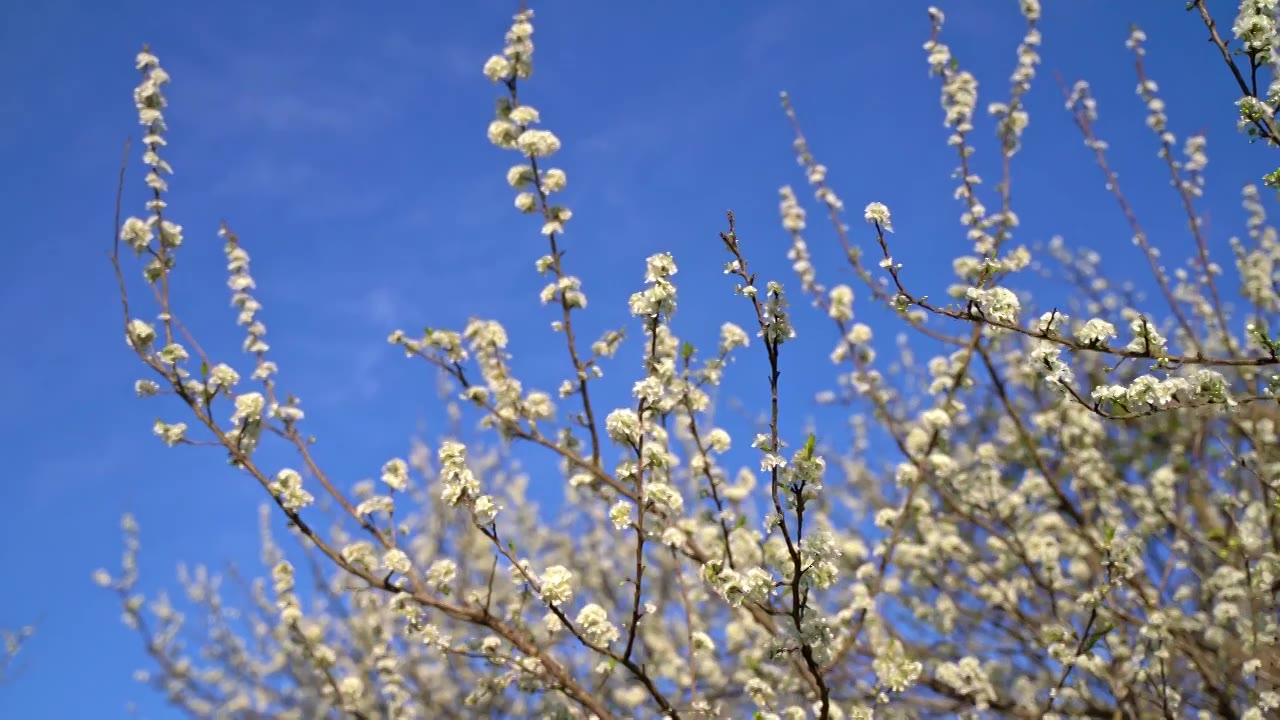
(1095,636)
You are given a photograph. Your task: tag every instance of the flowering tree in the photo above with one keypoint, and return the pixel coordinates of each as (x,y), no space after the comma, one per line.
(1082,517)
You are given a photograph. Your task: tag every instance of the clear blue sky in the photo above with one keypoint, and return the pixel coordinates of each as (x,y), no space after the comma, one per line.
(347,146)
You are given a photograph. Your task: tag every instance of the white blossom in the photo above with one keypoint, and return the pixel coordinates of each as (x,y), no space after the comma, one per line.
(556,587)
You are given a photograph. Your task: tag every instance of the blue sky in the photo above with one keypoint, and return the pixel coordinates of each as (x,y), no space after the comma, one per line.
(347,147)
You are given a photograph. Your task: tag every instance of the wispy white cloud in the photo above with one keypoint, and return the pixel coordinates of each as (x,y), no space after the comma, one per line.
(328,77)
(301,188)
(451,60)
(329,111)
(765,32)
(363,379)
(380,307)
(983,22)
(352,351)
(83,469)
(616,154)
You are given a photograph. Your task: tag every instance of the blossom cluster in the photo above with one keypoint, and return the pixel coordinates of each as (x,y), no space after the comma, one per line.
(1059,512)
